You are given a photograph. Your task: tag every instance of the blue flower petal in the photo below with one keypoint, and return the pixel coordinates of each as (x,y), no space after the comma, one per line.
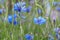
(1,11)
(29,8)
(15,22)
(15,15)
(10,19)
(39,11)
(23,9)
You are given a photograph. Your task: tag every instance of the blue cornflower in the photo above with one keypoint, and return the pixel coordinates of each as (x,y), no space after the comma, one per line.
(39,11)
(1,11)
(58,8)
(10,19)
(17,7)
(29,37)
(39,20)
(15,22)
(21,7)
(29,9)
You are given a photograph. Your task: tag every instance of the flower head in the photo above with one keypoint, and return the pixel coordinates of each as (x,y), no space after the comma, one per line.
(18,6)
(29,37)
(15,22)
(39,20)
(10,19)
(29,8)
(21,7)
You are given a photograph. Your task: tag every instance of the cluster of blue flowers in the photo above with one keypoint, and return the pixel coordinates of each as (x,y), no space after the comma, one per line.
(29,37)
(10,19)
(40,20)
(21,7)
